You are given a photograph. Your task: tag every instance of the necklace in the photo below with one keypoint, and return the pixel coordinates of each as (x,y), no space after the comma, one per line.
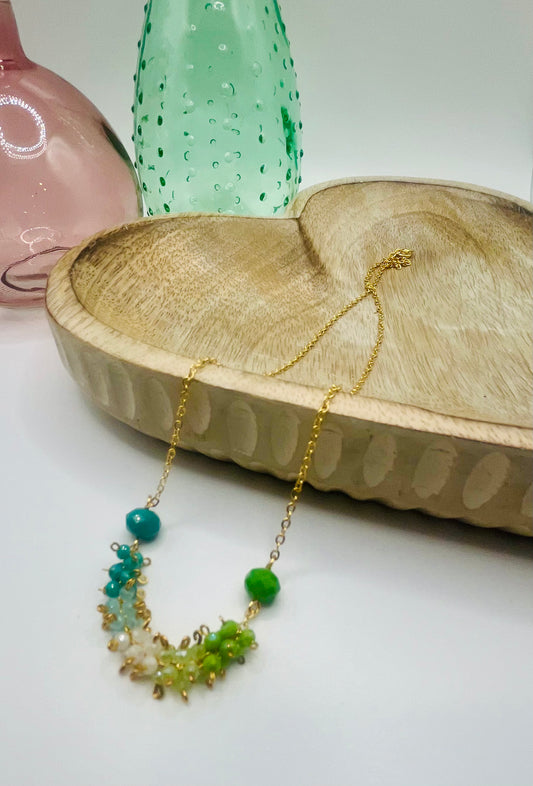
(205,657)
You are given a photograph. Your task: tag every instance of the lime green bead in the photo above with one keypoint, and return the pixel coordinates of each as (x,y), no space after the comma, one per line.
(246,638)
(229,630)
(191,669)
(229,649)
(212,642)
(195,652)
(168,656)
(212,663)
(262,585)
(169,675)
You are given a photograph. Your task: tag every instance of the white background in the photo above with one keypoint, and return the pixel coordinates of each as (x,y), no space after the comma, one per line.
(400,650)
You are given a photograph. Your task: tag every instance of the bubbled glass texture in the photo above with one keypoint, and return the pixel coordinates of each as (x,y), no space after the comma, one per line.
(217,112)
(64,175)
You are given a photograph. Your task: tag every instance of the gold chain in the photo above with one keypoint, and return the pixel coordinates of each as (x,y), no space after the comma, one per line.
(153,499)
(399,258)
(396,260)
(302,472)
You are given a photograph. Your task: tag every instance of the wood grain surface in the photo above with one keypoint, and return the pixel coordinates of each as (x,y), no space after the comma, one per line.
(445,422)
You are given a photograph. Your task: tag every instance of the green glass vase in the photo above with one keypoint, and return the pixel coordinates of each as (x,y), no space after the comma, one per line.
(217,111)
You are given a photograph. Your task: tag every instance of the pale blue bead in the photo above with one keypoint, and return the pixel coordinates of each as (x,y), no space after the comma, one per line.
(116,626)
(113,605)
(130,594)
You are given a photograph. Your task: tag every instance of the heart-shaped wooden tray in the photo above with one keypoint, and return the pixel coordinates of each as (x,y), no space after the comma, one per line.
(443,424)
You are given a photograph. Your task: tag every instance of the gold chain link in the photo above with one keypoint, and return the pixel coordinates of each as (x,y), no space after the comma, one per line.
(396,260)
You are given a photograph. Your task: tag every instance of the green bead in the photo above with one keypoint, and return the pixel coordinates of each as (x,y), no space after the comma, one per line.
(115,571)
(195,652)
(212,642)
(229,630)
(228,649)
(123,551)
(124,577)
(262,585)
(212,663)
(246,638)
(169,674)
(143,523)
(169,656)
(191,669)
(112,589)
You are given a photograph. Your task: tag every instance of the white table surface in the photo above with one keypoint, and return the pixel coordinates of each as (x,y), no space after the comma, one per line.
(400,649)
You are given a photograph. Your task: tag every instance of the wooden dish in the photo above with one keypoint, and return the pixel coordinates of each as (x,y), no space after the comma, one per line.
(444,423)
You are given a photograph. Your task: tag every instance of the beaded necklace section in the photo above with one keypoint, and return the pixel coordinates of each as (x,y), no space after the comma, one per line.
(205,656)
(152,657)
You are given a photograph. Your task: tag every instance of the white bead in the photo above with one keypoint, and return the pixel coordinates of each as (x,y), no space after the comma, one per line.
(150,664)
(141,636)
(156,648)
(136,652)
(123,641)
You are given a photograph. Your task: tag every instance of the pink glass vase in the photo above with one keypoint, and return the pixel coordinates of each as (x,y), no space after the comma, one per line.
(64,175)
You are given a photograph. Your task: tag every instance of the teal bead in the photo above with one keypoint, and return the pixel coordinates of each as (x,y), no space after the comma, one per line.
(123,552)
(112,589)
(115,571)
(143,523)
(262,585)
(124,577)
(134,562)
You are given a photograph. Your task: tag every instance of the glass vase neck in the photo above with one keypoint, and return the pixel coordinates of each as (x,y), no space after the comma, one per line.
(11,51)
